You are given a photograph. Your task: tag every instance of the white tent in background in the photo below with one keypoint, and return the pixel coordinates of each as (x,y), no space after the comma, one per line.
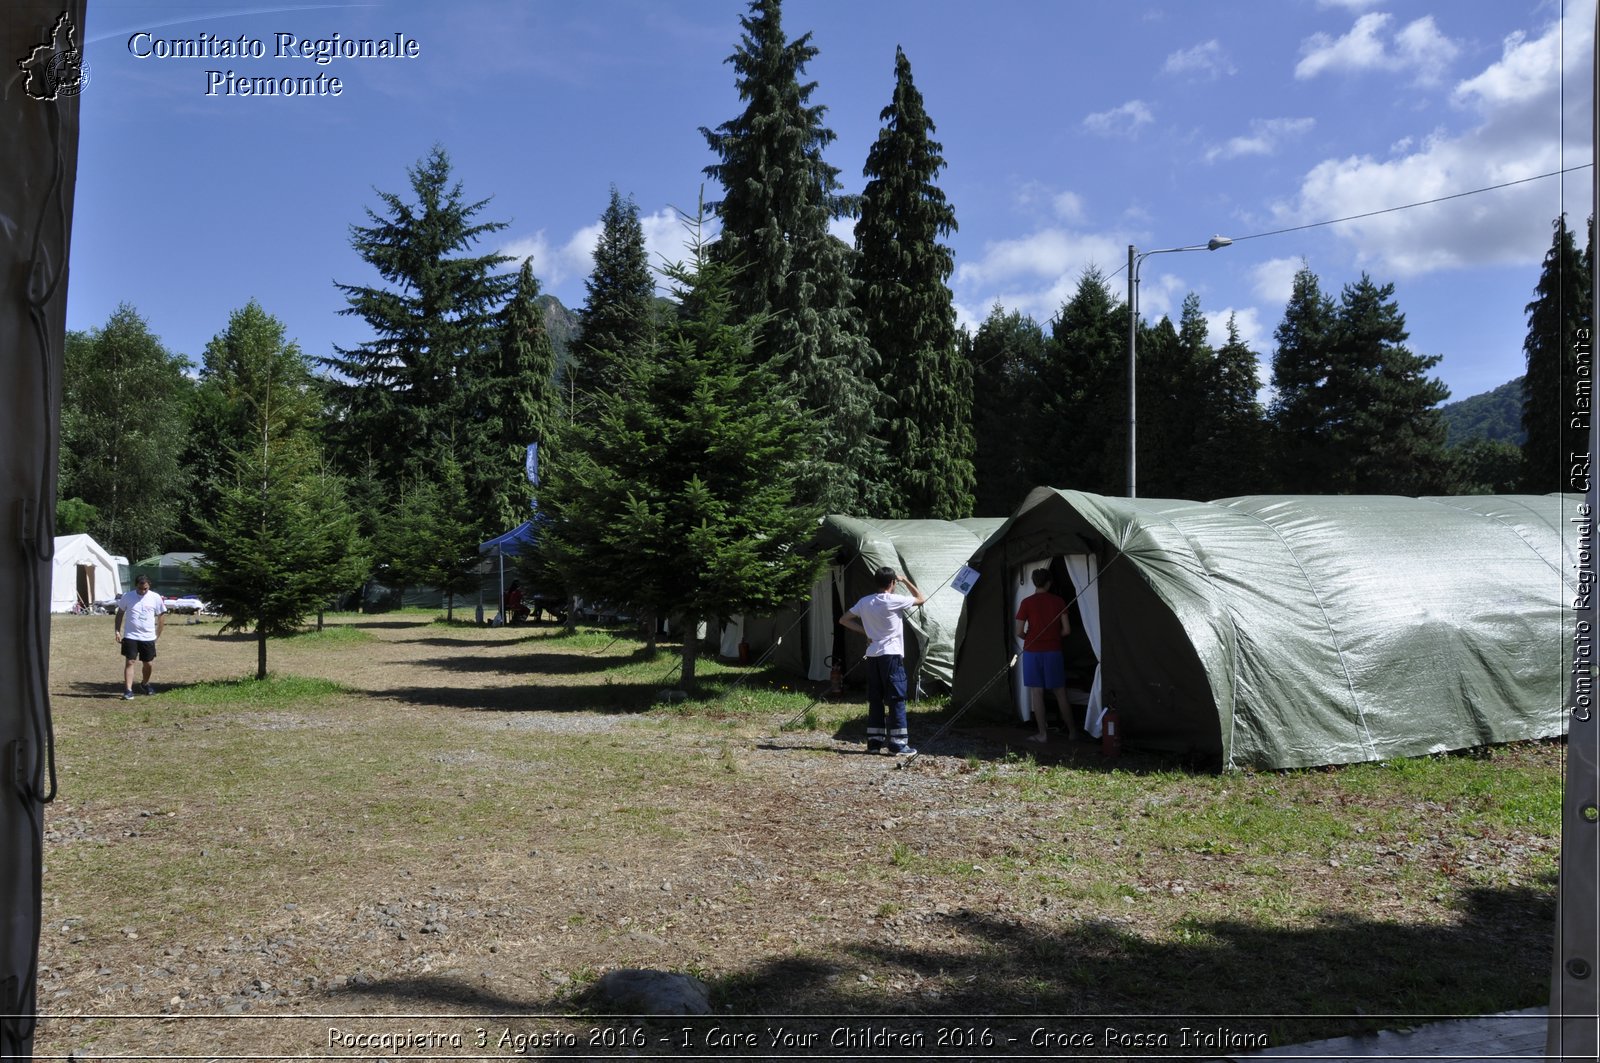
(82,574)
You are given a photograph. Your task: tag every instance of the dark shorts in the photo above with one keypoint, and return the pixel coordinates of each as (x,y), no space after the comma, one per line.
(1046,670)
(144,651)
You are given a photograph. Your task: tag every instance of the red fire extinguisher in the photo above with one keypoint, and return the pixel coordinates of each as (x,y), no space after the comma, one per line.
(744,652)
(1110,735)
(835,678)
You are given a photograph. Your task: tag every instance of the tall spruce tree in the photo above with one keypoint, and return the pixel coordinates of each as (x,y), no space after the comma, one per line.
(1007,353)
(679,499)
(1167,399)
(902,273)
(1301,366)
(1356,409)
(617,323)
(1388,435)
(434,323)
(793,276)
(515,405)
(1083,387)
(125,409)
(1556,426)
(283,541)
(1230,428)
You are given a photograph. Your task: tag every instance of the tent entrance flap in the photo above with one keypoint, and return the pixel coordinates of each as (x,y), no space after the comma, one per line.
(85,586)
(1083,674)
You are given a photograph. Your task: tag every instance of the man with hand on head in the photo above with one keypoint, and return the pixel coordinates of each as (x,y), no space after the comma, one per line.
(140,618)
(877,616)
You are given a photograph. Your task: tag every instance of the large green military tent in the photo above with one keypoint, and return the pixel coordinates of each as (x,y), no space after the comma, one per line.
(805,638)
(1280,631)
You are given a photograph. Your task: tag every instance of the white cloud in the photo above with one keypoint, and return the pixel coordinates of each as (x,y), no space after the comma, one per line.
(1522,74)
(1517,104)
(1418,47)
(554,264)
(1035,274)
(1068,206)
(1123,121)
(1064,205)
(1273,280)
(1207,60)
(1264,137)
(1252,332)
(1423,49)
(666,240)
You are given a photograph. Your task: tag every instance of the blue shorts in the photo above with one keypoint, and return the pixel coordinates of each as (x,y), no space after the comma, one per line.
(1045,669)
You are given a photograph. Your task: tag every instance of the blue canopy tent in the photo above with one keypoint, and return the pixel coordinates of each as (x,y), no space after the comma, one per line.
(512,542)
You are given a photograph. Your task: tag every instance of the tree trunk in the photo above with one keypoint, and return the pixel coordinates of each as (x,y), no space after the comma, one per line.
(319,619)
(651,639)
(449,606)
(691,650)
(261,654)
(572,614)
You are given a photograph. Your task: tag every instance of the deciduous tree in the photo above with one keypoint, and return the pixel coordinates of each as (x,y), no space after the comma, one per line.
(124,414)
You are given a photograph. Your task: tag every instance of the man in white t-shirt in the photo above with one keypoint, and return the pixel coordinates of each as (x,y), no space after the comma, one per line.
(877,616)
(140,618)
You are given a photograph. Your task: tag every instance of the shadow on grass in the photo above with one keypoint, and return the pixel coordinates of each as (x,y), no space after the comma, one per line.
(531,664)
(607,698)
(1344,975)
(448,643)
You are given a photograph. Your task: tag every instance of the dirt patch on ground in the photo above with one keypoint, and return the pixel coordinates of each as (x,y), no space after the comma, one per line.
(479,826)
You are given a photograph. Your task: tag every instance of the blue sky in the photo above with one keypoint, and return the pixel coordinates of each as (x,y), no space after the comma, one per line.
(1071,129)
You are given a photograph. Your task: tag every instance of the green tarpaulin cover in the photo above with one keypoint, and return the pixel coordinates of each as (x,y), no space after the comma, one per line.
(1279,631)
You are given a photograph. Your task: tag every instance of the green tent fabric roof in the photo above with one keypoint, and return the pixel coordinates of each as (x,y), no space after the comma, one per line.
(1290,631)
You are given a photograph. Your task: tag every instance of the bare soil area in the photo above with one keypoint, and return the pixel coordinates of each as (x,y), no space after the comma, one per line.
(437,860)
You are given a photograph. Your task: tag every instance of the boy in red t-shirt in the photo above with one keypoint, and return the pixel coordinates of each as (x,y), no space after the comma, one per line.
(1041,625)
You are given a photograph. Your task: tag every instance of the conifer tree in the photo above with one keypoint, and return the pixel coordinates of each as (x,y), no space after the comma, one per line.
(617,322)
(1301,365)
(1388,435)
(1082,441)
(1556,427)
(1355,411)
(515,405)
(283,541)
(793,276)
(125,409)
(1230,427)
(437,539)
(1166,379)
(410,386)
(902,273)
(1007,353)
(679,499)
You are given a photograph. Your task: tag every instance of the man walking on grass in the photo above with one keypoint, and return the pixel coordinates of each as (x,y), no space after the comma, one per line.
(877,616)
(140,618)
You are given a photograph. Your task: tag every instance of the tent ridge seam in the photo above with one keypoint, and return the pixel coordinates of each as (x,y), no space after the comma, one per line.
(1233,627)
(1338,643)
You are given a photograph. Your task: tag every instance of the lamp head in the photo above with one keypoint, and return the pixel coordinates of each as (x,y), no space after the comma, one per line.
(1216,242)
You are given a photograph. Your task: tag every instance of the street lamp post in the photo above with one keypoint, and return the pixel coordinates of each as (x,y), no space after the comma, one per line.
(1135,260)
